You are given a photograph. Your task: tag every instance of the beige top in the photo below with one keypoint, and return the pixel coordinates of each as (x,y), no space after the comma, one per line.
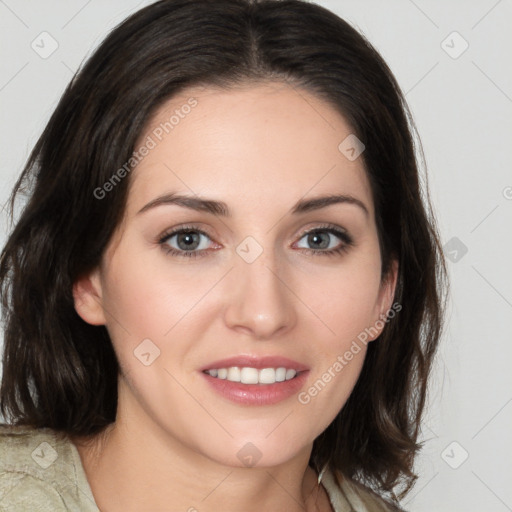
(42,472)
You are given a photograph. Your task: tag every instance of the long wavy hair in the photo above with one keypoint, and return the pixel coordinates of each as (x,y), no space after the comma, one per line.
(60,372)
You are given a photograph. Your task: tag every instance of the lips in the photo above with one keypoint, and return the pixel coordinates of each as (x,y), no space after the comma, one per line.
(256,385)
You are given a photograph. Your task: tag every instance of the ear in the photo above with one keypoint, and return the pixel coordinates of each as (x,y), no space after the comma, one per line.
(87,295)
(385,300)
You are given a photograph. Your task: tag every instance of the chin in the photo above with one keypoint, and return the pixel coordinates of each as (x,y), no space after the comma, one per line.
(256,451)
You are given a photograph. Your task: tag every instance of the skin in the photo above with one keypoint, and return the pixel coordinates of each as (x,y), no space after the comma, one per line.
(259,148)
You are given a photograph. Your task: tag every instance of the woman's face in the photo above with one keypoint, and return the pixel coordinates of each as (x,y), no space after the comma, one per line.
(270,279)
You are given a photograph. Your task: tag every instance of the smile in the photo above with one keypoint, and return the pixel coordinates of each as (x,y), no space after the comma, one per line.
(248,375)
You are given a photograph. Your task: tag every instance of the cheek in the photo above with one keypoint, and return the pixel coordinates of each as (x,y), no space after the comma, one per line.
(147,298)
(147,295)
(345,300)
(330,387)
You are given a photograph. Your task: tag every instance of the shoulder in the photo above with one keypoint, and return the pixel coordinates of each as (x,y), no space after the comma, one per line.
(38,471)
(358,497)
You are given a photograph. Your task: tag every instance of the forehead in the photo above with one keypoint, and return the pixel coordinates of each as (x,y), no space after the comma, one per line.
(266,140)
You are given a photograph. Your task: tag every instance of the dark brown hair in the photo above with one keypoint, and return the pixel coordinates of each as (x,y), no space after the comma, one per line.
(61,372)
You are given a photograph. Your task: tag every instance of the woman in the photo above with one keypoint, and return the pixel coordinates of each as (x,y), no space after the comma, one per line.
(225,289)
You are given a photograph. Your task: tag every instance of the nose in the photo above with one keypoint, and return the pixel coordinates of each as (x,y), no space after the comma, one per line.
(261,302)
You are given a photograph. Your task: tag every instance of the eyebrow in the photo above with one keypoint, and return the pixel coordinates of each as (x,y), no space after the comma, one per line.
(221,209)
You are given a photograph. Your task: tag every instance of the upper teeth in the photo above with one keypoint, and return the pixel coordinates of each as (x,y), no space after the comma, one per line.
(253,375)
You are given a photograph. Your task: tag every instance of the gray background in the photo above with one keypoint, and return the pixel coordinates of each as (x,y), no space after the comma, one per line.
(462,103)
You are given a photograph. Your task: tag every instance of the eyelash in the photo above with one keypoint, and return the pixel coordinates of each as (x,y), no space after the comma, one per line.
(328,228)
